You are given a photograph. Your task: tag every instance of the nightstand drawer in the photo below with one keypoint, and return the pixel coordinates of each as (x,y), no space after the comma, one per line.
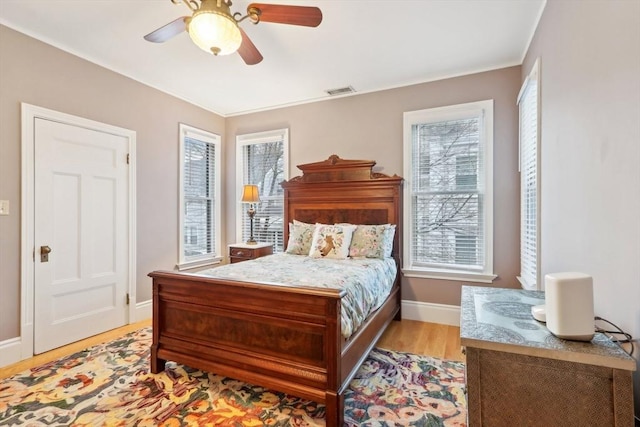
(240,252)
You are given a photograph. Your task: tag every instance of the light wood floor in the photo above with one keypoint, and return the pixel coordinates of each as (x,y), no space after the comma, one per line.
(430,339)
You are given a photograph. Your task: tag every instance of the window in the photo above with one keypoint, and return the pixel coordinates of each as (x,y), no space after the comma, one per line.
(448,192)
(529,181)
(199,198)
(262,160)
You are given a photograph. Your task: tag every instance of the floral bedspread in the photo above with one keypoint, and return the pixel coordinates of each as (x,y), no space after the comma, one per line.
(367,281)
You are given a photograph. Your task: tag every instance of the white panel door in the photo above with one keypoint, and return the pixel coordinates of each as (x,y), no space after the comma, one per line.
(81,215)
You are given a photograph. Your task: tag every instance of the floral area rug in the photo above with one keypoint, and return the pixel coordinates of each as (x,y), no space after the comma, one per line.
(110,385)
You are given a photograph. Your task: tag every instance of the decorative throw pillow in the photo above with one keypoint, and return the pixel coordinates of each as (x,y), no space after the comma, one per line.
(331,241)
(387,240)
(368,241)
(300,235)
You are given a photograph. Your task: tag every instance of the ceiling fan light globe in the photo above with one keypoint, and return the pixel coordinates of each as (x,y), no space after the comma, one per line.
(214,32)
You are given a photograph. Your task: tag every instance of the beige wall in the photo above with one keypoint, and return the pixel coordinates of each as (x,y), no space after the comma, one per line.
(38,74)
(590,151)
(369,126)
(366,126)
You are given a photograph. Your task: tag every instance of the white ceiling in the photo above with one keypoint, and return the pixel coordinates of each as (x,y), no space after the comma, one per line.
(367,44)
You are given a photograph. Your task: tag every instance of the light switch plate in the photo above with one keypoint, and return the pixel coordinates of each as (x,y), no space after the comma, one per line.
(4,207)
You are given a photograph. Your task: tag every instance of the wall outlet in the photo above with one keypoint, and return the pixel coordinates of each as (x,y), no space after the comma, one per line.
(4,207)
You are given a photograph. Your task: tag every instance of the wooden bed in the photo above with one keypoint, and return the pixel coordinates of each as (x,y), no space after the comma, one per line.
(282,337)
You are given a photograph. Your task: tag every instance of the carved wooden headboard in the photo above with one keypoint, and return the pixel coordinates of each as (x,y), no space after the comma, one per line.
(338,190)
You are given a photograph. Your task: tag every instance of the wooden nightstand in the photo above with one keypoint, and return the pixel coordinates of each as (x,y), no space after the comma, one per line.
(242,252)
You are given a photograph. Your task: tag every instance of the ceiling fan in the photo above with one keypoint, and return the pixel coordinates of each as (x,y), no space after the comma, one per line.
(214,29)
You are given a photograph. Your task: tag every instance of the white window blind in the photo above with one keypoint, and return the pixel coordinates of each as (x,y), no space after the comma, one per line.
(529,177)
(264,163)
(199,191)
(448,159)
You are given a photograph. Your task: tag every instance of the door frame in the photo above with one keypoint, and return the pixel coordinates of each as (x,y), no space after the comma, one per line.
(29,114)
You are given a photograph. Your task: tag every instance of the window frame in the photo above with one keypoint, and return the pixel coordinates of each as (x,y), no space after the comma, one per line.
(214,140)
(525,278)
(484,110)
(253,139)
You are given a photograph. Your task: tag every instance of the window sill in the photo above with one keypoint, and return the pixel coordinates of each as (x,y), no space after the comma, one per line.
(189,265)
(459,276)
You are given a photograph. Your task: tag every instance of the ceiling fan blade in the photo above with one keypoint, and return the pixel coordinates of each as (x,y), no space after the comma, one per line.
(248,51)
(165,32)
(307,16)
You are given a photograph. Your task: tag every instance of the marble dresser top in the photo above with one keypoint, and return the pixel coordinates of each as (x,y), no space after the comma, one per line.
(500,319)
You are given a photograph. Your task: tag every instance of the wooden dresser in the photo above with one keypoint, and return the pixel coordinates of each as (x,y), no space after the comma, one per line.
(519,374)
(242,252)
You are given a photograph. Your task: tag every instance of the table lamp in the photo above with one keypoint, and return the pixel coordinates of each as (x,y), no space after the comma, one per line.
(250,195)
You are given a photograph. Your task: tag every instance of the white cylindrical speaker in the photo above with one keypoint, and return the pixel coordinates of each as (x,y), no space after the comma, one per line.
(569,305)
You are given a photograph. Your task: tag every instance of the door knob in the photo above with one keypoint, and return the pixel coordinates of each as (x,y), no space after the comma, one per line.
(44,253)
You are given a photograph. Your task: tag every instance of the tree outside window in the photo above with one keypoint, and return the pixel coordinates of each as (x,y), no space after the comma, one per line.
(264,163)
(448,193)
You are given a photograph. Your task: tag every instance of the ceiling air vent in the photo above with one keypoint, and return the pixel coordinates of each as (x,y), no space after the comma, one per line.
(341,91)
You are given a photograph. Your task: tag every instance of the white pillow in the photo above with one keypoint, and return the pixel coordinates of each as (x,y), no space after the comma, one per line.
(331,241)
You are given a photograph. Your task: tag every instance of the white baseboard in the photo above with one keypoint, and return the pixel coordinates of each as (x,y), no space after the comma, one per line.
(431,312)
(144,311)
(10,351)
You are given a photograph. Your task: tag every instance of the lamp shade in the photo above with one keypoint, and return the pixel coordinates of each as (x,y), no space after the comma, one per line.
(214,32)
(250,194)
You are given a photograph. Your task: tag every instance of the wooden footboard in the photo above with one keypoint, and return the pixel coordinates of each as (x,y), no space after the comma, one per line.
(279,337)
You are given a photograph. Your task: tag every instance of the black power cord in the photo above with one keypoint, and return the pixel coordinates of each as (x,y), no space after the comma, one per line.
(614,335)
